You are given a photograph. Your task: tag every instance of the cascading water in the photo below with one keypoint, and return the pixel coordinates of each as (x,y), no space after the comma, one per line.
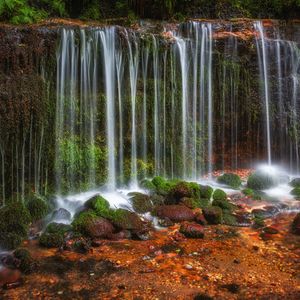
(160,119)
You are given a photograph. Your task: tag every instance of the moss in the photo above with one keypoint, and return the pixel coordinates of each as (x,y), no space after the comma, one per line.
(162,186)
(258,222)
(203,203)
(206,191)
(229,219)
(148,185)
(230,179)
(296,192)
(141,203)
(54,235)
(260,181)
(37,207)
(248,192)
(295,183)
(98,204)
(26,260)
(51,240)
(224,204)
(125,219)
(190,202)
(14,224)
(213,215)
(81,221)
(181,190)
(219,195)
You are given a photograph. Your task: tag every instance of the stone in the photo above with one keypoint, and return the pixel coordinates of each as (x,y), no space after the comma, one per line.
(176,213)
(213,215)
(9,276)
(200,219)
(296,225)
(192,230)
(61,214)
(99,228)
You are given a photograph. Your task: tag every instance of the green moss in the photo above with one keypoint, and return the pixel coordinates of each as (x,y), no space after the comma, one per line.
(219,195)
(229,219)
(230,179)
(248,192)
(125,219)
(80,222)
(213,215)
(190,202)
(98,204)
(141,203)
(54,235)
(51,240)
(260,181)
(37,207)
(162,186)
(14,224)
(206,191)
(295,183)
(258,222)
(203,203)
(148,185)
(296,192)
(26,260)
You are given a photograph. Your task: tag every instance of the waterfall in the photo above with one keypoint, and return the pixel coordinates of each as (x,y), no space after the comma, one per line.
(131,105)
(263,66)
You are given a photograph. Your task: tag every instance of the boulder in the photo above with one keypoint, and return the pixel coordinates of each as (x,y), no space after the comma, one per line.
(192,230)
(61,214)
(200,219)
(295,183)
(9,276)
(99,228)
(175,213)
(213,215)
(230,179)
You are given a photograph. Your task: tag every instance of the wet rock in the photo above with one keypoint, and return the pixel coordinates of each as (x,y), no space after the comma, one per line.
(243,219)
(213,215)
(27,263)
(61,214)
(261,180)
(141,203)
(9,261)
(99,228)
(270,230)
(296,225)
(179,191)
(82,245)
(266,212)
(166,222)
(200,219)
(9,277)
(176,213)
(190,202)
(192,230)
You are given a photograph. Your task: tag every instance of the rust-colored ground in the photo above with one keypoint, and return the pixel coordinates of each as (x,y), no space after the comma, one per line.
(229,263)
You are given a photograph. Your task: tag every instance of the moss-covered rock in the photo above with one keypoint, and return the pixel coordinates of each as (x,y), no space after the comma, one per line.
(258,222)
(295,183)
(54,235)
(81,220)
(219,195)
(148,185)
(98,204)
(296,192)
(190,202)
(260,181)
(14,224)
(248,192)
(175,213)
(37,207)
(296,225)
(223,204)
(203,203)
(183,190)
(141,203)
(27,263)
(229,219)
(213,215)
(125,219)
(206,191)
(230,179)
(162,186)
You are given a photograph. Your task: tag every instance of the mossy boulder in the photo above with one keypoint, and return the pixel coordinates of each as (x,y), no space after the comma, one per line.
(37,207)
(54,235)
(147,185)
(98,204)
(229,219)
(126,220)
(223,204)
(141,203)
(230,179)
(296,192)
(183,190)
(295,183)
(219,195)
(162,186)
(14,224)
(260,181)
(203,203)
(213,215)
(190,202)
(81,220)
(27,263)
(248,192)
(258,222)
(206,191)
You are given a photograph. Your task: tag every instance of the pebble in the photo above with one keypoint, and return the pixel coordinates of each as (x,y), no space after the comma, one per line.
(188,267)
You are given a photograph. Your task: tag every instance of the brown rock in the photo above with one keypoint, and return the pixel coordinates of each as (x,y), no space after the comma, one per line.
(176,213)
(296,225)
(99,228)
(192,230)
(9,276)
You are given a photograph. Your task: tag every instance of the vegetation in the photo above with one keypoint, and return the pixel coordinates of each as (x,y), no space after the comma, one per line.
(14,224)
(30,11)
